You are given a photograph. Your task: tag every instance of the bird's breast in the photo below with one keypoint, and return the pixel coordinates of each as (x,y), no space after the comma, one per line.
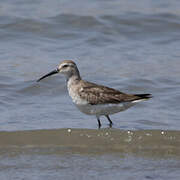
(74,94)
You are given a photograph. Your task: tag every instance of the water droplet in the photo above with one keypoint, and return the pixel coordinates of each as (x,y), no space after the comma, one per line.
(69,130)
(107,134)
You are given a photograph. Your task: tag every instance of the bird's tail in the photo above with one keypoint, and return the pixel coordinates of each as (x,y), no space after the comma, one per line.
(143,96)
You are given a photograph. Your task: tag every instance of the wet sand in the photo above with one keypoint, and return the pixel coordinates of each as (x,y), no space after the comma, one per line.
(153,143)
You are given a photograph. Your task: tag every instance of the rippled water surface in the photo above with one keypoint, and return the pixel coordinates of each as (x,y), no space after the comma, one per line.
(131,46)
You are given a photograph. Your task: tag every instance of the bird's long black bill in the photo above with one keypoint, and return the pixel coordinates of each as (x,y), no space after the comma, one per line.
(49,74)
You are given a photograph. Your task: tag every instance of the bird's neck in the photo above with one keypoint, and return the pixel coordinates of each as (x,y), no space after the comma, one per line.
(74,79)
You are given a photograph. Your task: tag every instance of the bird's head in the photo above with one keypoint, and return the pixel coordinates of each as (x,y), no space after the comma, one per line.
(66,67)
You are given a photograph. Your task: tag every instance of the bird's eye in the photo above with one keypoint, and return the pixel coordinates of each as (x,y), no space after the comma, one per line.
(65,66)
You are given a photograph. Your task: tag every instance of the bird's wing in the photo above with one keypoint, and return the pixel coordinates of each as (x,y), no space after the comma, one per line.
(97,94)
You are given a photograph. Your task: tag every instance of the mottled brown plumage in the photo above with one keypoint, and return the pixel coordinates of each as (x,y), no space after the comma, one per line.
(98,94)
(94,99)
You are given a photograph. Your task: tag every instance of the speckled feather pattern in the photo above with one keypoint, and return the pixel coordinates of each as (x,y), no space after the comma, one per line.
(97,94)
(99,100)
(94,99)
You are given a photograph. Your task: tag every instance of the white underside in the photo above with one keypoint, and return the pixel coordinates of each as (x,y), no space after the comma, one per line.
(104,109)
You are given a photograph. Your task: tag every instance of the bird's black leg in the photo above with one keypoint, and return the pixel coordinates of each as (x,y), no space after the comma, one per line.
(99,122)
(110,122)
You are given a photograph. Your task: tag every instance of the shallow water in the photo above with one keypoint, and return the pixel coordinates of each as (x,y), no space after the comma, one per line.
(86,154)
(131,46)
